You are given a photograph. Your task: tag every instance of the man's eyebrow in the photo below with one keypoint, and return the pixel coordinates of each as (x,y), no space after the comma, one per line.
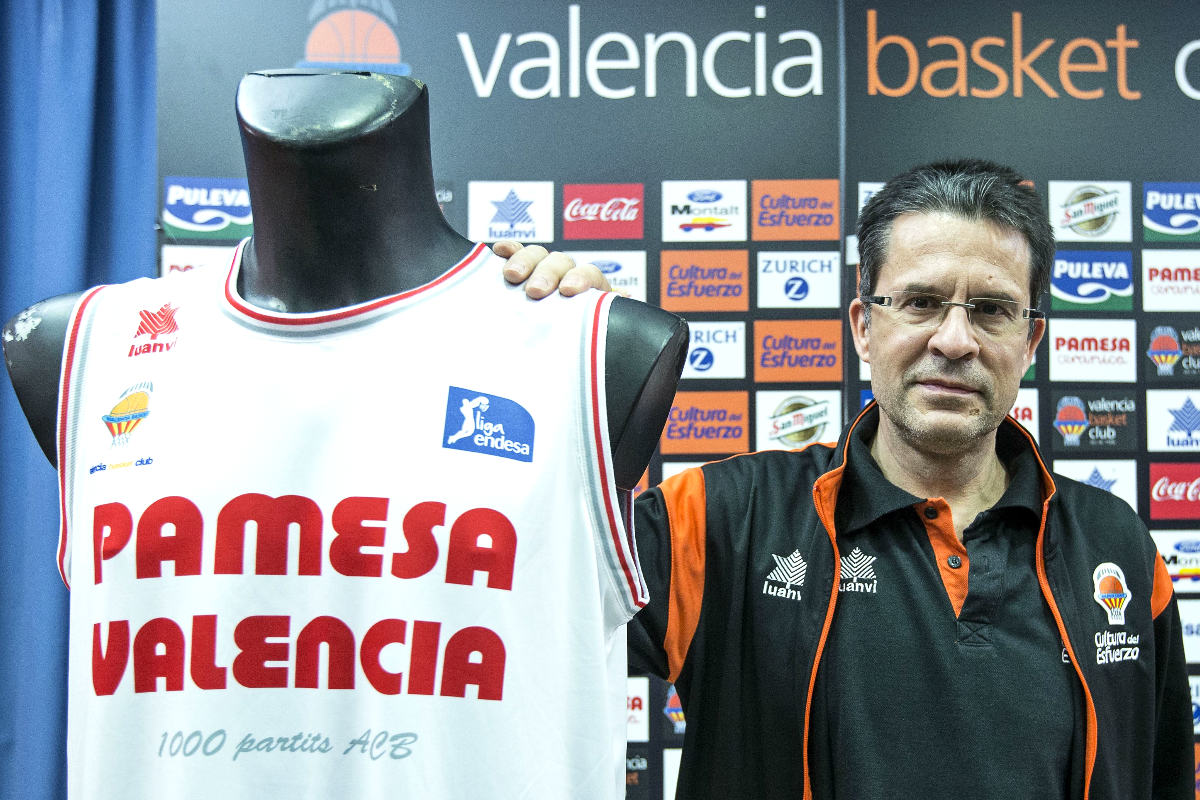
(922,287)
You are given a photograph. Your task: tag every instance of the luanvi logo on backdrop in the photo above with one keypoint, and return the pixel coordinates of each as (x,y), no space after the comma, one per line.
(616,65)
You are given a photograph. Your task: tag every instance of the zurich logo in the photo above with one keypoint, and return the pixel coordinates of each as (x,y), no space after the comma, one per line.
(796,288)
(704,196)
(608,267)
(488,424)
(701,359)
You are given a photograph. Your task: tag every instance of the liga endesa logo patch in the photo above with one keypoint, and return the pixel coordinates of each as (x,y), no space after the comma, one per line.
(487,424)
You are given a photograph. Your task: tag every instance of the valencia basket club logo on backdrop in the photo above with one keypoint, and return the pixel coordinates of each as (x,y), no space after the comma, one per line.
(353,35)
(488,424)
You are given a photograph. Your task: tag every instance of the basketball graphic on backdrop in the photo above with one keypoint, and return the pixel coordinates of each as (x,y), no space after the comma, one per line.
(354,39)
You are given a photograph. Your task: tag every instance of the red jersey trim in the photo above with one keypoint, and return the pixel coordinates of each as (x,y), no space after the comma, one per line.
(64,396)
(337,314)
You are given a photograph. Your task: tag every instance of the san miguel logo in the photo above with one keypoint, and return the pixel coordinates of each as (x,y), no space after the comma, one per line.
(1097,211)
(156,331)
(603,211)
(799,420)
(487,424)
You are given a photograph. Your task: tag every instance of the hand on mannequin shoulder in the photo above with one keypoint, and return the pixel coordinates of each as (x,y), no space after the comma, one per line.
(543,271)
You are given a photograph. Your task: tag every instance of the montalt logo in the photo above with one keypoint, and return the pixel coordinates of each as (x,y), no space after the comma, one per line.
(353,35)
(206,208)
(612,66)
(486,423)
(789,571)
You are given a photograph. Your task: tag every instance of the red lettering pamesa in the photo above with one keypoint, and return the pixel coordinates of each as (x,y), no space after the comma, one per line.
(172,529)
(1092,343)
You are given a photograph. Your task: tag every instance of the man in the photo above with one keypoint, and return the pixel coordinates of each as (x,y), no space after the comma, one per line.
(923,610)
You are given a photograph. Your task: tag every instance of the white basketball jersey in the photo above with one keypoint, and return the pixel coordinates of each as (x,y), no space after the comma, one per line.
(373,552)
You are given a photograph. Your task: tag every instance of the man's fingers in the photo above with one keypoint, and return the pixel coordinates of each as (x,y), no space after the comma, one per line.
(547,274)
(582,278)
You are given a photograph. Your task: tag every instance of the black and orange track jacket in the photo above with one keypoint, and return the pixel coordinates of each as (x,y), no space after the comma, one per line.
(745,666)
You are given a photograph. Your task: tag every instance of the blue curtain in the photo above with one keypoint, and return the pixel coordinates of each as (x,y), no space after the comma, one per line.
(78,187)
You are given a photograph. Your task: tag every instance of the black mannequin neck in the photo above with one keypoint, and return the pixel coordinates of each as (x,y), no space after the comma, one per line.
(341,187)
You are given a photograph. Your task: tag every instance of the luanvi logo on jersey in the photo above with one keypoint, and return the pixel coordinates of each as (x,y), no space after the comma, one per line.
(789,572)
(488,424)
(156,332)
(858,573)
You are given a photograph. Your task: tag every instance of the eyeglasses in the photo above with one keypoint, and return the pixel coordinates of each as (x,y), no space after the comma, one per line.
(989,315)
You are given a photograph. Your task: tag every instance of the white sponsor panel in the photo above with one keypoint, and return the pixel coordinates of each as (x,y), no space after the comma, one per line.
(716,350)
(671,758)
(1194,682)
(1171,280)
(1189,616)
(186,257)
(1091,211)
(625,269)
(866,190)
(1172,420)
(519,210)
(1181,553)
(1100,350)
(1025,410)
(637,706)
(1117,476)
(791,419)
(704,211)
(799,279)
(670,468)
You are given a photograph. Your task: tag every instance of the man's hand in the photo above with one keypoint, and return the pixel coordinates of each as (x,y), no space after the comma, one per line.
(543,271)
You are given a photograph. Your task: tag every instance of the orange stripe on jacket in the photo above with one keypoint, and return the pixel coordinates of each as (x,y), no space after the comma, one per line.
(683,495)
(1163,588)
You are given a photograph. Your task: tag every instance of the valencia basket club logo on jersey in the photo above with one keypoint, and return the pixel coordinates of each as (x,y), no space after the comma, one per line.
(488,424)
(1111,591)
(128,413)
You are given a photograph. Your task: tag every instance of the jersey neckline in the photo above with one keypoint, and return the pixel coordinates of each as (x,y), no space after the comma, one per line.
(333,316)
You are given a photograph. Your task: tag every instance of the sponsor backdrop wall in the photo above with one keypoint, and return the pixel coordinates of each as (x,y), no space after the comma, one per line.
(712,160)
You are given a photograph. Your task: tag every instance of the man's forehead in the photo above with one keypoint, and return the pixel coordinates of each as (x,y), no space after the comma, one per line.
(940,245)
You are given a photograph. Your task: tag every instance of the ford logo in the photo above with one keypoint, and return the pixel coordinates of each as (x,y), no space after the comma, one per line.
(704,196)
(1191,546)
(608,267)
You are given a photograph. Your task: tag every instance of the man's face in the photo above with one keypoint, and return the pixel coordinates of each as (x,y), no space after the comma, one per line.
(942,388)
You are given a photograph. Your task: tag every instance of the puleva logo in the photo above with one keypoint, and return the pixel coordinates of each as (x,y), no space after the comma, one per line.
(488,424)
(1171,212)
(1092,280)
(1111,591)
(353,35)
(789,571)
(127,414)
(206,208)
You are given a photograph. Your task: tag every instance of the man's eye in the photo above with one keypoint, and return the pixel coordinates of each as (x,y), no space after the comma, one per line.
(921,302)
(991,308)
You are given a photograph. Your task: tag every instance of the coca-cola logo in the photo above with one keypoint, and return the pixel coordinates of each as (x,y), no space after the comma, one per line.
(616,209)
(1175,490)
(602,211)
(1167,489)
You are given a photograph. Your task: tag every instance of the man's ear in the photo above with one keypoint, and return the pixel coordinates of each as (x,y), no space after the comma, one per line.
(1039,330)
(858,328)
